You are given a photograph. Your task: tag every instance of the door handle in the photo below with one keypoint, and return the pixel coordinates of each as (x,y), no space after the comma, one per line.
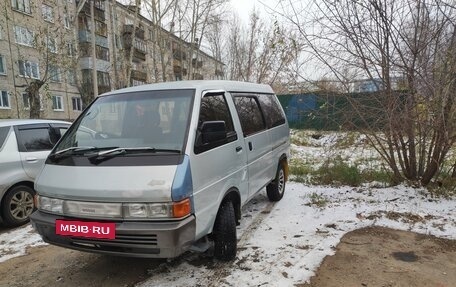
(238,149)
(250,146)
(31,159)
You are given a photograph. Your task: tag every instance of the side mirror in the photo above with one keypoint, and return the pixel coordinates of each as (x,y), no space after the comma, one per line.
(213,131)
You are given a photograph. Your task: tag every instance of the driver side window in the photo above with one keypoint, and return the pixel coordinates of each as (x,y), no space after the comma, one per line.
(214,108)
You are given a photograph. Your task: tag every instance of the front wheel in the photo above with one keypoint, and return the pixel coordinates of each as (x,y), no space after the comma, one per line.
(276,188)
(225,240)
(17,205)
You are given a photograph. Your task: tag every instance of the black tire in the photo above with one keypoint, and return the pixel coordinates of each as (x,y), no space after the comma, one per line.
(17,205)
(225,241)
(276,188)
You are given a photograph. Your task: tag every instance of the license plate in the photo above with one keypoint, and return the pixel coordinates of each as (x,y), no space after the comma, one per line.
(100,230)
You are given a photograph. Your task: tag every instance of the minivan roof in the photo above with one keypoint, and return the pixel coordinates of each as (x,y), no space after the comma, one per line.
(230,86)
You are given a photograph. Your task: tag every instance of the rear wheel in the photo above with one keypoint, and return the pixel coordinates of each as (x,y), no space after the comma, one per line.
(276,189)
(225,240)
(17,205)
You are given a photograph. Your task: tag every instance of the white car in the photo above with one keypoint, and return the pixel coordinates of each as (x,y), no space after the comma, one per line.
(156,170)
(24,146)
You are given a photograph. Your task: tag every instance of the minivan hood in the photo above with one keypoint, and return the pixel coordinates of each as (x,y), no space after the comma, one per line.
(107,184)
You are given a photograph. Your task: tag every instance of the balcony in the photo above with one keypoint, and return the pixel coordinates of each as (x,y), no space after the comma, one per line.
(179,55)
(139,75)
(85,36)
(197,64)
(99,14)
(140,48)
(197,76)
(128,29)
(137,55)
(177,69)
(103,88)
(101,65)
(88,87)
(219,73)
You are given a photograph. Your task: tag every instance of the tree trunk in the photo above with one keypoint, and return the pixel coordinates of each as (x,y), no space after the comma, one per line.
(33,91)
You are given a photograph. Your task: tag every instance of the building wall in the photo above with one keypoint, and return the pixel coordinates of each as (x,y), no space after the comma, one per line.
(14,52)
(116,17)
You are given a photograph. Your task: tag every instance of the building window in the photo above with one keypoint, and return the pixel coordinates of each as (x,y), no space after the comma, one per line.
(128,21)
(29,69)
(77,104)
(57,103)
(71,77)
(66,21)
(137,82)
(101,28)
(2,65)
(26,100)
(48,13)
(54,73)
(21,6)
(118,42)
(23,36)
(4,100)
(51,44)
(103,79)
(70,49)
(102,53)
(140,45)
(100,4)
(151,35)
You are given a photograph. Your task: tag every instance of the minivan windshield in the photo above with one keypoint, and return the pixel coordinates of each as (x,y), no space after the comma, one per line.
(147,121)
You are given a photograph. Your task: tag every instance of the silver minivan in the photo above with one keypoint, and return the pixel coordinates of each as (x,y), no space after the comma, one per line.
(24,146)
(155,170)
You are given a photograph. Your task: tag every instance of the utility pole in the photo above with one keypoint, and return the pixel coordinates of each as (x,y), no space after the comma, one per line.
(94,58)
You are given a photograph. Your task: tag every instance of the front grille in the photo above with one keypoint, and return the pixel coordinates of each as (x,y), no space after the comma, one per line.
(132,244)
(122,240)
(137,239)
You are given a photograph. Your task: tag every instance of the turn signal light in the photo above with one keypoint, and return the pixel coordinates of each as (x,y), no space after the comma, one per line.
(181,208)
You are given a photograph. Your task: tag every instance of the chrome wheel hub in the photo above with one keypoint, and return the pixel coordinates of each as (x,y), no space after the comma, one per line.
(21,205)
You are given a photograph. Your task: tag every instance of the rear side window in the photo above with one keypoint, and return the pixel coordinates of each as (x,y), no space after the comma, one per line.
(35,139)
(272,110)
(3,134)
(250,115)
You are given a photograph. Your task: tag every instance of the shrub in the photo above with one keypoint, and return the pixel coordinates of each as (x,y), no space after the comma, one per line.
(339,173)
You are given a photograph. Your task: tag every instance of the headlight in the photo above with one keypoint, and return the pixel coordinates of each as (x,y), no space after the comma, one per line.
(147,210)
(53,205)
(130,211)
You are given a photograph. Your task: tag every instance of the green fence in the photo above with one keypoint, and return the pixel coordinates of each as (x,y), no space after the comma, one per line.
(320,111)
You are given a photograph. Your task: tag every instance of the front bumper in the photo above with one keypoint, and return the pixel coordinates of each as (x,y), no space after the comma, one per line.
(133,239)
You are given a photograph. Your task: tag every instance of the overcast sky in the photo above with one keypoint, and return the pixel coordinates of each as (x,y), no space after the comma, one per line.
(244,7)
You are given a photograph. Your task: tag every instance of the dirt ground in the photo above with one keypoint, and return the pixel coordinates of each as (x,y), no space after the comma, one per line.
(367,257)
(378,256)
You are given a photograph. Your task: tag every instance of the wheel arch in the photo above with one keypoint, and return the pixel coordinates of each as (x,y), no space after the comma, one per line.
(233,195)
(284,161)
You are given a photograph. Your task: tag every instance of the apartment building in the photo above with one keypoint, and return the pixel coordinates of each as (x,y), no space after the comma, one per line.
(69,45)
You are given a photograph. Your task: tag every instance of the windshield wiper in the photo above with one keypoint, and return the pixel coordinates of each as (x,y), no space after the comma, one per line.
(70,151)
(73,149)
(107,154)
